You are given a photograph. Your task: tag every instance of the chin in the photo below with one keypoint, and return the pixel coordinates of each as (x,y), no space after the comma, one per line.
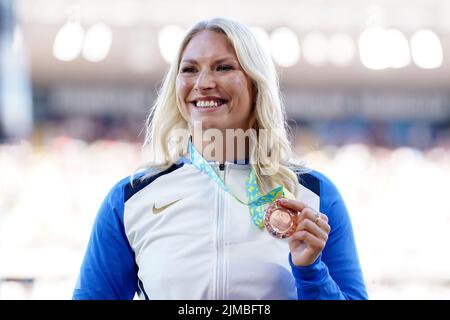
(212,125)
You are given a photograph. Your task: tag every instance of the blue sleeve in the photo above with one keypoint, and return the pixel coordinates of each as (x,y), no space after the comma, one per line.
(336,274)
(108,270)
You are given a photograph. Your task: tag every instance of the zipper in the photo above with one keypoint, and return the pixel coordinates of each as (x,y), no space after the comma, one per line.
(220,235)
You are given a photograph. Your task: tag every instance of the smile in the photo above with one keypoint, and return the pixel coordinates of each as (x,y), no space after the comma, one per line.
(208,104)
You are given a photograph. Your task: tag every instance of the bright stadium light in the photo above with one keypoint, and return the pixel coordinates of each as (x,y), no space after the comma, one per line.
(426,49)
(169,38)
(285,47)
(97,42)
(398,48)
(373,49)
(68,42)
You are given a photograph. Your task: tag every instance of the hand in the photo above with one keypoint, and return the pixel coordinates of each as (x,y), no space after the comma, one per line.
(311,234)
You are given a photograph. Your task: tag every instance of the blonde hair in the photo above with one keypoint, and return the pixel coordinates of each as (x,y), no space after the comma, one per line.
(269,111)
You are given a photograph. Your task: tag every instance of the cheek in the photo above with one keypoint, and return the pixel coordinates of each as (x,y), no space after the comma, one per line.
(242,90)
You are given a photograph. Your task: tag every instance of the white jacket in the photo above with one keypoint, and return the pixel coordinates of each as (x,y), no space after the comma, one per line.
(178,235)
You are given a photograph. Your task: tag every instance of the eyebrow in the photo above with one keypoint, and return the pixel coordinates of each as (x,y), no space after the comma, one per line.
(193,61)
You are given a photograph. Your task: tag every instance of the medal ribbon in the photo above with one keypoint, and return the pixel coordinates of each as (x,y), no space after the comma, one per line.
(256,201)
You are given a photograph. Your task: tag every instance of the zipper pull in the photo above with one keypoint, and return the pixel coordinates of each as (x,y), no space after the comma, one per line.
(221,166)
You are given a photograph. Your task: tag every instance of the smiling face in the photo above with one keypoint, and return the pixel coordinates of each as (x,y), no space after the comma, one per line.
(211,85)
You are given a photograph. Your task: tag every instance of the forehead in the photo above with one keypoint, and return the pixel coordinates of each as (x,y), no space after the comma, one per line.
(208,44)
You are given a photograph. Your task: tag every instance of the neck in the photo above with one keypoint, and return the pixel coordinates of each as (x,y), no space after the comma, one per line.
(230,149)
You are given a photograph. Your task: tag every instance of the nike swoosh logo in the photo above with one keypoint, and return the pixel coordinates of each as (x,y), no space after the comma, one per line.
(161,209)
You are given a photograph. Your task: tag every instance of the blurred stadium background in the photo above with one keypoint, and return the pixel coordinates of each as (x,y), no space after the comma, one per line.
(367,90)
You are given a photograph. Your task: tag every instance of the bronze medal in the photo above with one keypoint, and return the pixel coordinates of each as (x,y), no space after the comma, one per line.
(280,222)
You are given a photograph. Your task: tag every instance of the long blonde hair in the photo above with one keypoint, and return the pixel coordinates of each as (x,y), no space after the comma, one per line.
(269,111)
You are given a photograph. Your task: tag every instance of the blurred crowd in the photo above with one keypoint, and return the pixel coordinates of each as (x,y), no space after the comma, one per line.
(51,191)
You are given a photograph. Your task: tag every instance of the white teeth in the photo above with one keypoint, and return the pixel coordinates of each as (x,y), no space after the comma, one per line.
(207,104)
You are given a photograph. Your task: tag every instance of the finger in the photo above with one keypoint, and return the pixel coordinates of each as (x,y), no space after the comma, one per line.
(313,228)
(318,218)
(298,205)
(292,204)
(324,217)
(306,212)
(324,225)
(309,239)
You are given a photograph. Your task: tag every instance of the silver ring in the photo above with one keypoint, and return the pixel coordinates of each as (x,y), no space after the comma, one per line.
(316,221)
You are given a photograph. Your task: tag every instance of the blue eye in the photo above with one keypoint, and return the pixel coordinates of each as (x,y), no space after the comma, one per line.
(224,67)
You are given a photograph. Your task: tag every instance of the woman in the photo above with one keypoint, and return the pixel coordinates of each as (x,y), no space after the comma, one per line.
(191,225)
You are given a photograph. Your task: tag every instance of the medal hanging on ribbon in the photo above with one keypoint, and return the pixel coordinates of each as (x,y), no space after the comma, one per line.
(265,210)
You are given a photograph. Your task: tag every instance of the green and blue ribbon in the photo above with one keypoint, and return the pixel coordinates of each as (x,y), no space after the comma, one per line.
(257,203)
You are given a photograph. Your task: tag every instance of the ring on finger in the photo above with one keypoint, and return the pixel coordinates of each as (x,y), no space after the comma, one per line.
(317,219)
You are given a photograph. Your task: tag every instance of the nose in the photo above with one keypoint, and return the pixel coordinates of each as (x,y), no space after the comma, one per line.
(205,81)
